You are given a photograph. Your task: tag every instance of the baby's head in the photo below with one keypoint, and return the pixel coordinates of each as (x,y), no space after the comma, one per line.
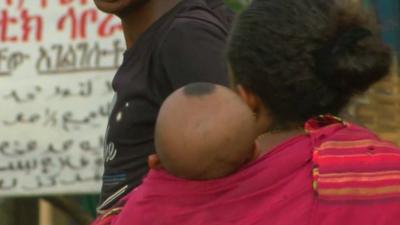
(204,131)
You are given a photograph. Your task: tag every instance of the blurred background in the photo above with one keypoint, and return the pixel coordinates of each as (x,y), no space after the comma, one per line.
(55,95)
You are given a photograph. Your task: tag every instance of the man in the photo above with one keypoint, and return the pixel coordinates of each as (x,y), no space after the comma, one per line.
(170,43)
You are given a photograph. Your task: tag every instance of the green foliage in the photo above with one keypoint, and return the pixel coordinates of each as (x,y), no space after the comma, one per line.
(237,5)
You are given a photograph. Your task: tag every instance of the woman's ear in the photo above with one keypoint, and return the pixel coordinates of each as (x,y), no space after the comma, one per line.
(248,97)
(154,162)
(261,113)
(256,150)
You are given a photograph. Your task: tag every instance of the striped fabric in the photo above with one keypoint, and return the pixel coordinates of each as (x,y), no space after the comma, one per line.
(350,163)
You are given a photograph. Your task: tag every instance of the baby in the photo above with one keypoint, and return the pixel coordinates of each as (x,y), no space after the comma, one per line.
(203,131)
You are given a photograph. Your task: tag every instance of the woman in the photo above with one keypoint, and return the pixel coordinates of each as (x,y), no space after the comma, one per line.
(295,64)
(296,60)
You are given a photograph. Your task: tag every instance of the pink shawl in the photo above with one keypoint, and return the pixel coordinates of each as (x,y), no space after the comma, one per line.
(337,174)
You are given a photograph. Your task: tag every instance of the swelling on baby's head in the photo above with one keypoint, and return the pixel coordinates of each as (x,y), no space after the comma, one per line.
(204,131)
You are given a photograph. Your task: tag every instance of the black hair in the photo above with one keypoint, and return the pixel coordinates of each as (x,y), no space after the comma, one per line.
(305,58)
(199,89)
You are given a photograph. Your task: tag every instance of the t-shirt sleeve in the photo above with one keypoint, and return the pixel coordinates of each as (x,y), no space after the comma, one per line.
(193,51)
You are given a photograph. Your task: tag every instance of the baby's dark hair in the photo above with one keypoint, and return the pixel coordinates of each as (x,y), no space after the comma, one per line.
(306,58)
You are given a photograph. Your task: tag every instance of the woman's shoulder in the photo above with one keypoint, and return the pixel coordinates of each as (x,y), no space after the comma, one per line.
(353,163)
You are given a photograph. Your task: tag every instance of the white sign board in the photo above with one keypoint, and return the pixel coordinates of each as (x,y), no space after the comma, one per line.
(57,60)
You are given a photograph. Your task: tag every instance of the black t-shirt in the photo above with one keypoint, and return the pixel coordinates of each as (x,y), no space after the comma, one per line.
(184,46)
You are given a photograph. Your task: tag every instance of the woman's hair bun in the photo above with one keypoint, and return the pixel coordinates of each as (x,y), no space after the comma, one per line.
(304,58)
(354,55)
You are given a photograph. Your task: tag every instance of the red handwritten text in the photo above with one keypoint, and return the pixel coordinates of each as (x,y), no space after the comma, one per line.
(78,23)
(30,27)
(44,3)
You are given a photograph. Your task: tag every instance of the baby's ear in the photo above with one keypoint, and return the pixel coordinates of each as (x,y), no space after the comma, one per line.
(154,162)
